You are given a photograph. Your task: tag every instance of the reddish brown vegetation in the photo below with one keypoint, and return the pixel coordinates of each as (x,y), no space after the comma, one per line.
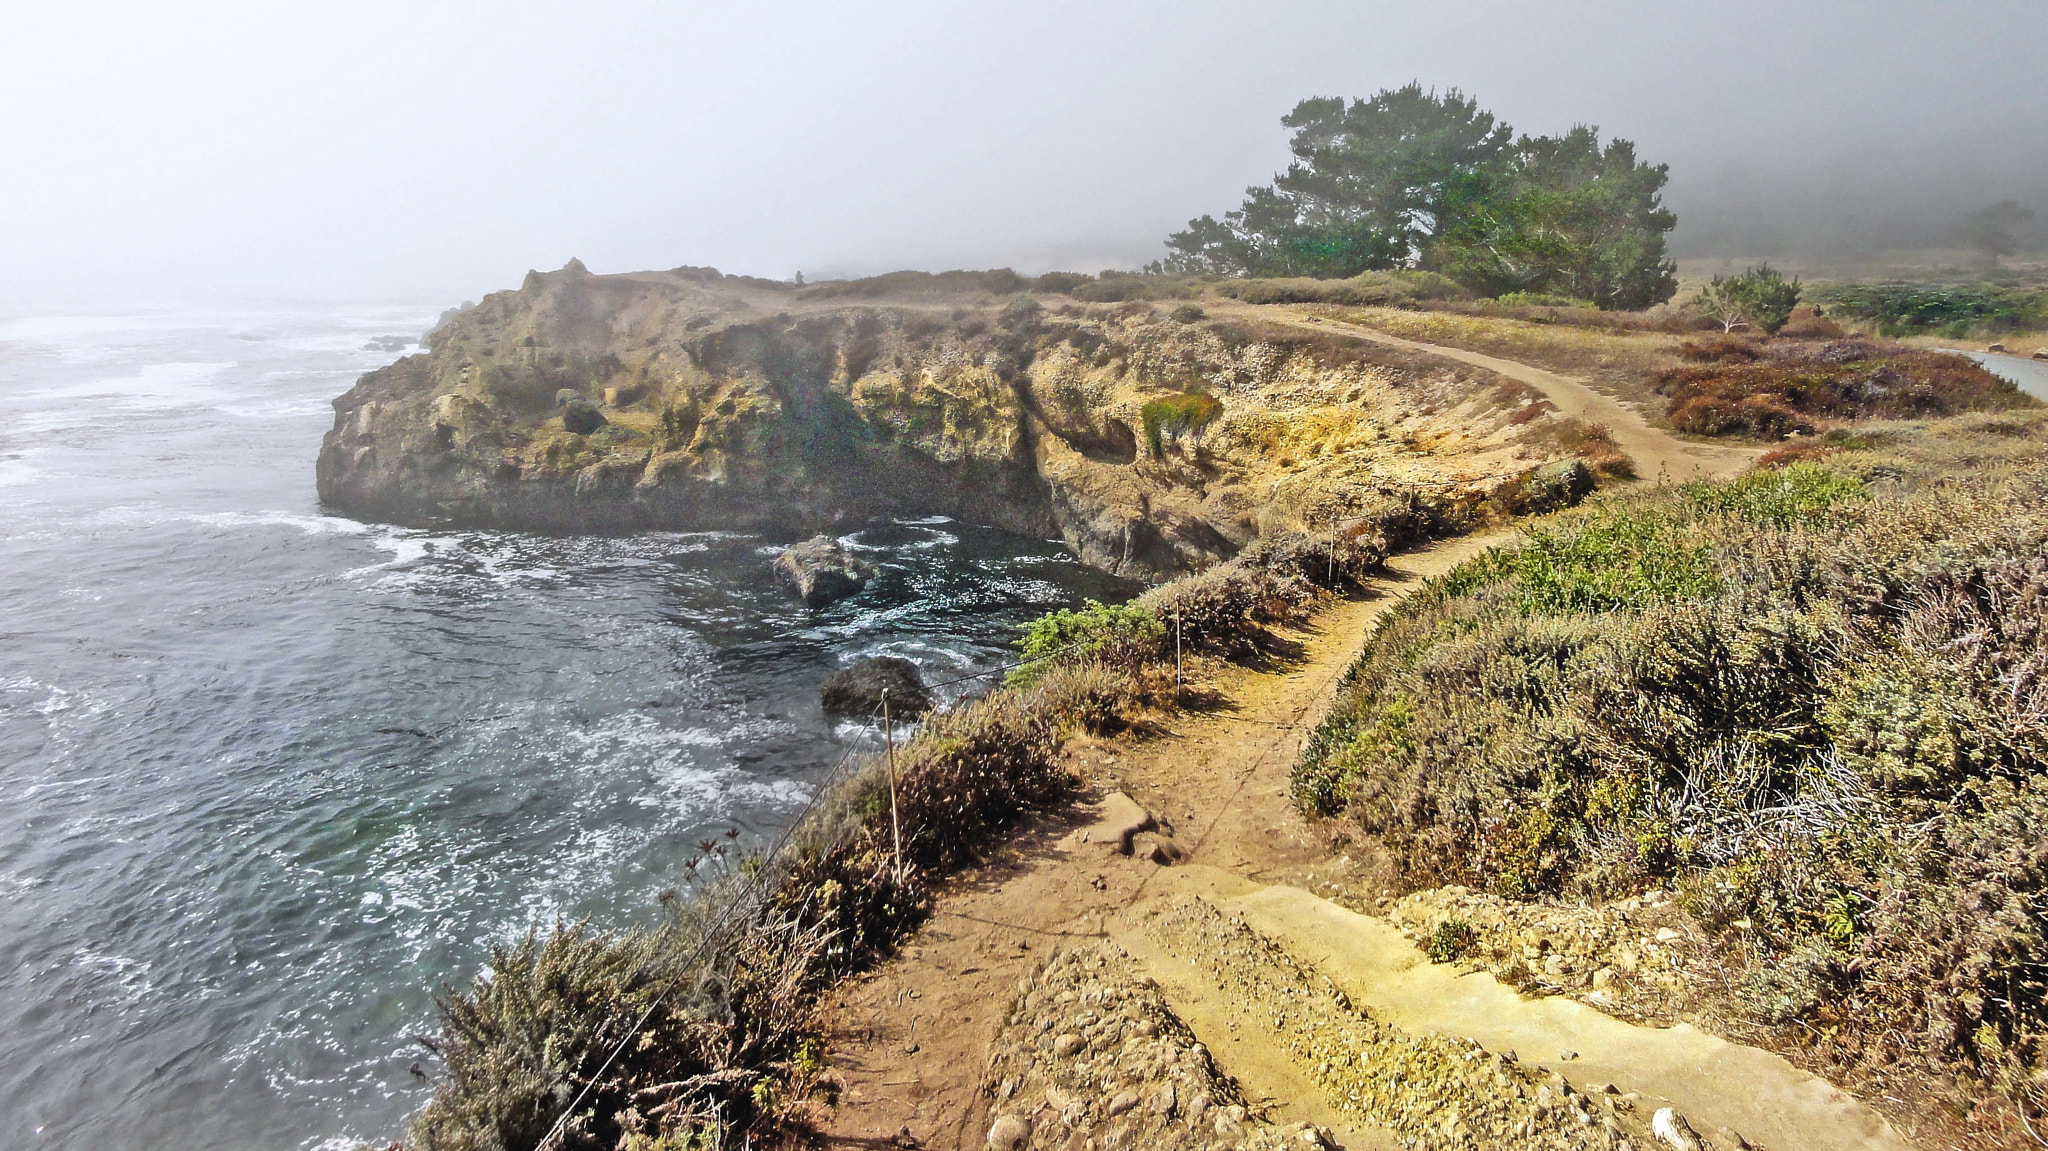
(1774,389)
(1795,454)
(1807,324)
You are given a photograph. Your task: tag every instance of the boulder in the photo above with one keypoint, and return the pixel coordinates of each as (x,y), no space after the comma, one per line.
(579,415)
(857,690)
(1008,1133)
(2041,353)
(822,571)
(1995,348)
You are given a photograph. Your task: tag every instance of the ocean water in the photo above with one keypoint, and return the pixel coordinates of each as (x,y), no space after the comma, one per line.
(270,775)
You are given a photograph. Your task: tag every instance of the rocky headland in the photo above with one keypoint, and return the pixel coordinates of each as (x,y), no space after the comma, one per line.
(1152,440)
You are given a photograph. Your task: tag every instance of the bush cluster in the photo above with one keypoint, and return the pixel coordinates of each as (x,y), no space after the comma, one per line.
(1814,700)
(1223,611)
(1775,389)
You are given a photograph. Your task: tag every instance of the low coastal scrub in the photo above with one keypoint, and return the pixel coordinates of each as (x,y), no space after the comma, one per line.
(1778,388)
(1957,311)
(1227,610)
(1811,700)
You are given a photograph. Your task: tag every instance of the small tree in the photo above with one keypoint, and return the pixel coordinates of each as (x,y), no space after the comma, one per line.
(1761,297)
(1990,230)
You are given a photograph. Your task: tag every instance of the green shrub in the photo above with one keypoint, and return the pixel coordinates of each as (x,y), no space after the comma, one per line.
(1625,556)
(1120,634)
(1778,497)
(1761,298)
(1063,283)
(1953,310)
(1185,414)
(1113,290)
(1449,940)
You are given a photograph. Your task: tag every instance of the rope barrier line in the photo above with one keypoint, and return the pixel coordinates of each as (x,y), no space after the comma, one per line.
(752,889)
(711,931)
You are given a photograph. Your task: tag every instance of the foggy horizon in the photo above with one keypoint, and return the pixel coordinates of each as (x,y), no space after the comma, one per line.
(378,152)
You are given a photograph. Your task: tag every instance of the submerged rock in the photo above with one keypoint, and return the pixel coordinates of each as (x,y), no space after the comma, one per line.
(822,571)
(857,690)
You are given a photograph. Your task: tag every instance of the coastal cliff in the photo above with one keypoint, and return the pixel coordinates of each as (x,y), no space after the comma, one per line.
(1152,441)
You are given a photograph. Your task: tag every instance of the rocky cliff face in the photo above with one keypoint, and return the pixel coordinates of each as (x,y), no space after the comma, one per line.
(1150,444)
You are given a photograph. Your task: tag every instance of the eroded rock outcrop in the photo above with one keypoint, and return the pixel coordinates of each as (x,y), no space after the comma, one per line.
(687,400)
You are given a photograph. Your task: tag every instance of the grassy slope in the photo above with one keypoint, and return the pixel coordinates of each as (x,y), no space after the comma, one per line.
(1812,699)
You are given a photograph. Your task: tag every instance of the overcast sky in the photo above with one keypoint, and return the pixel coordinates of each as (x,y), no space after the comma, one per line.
(430,150)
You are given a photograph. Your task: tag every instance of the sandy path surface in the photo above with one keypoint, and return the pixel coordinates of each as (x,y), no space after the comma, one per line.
(910,1040)
(1656,452)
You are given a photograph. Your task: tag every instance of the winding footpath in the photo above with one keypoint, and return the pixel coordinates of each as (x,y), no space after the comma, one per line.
(1656,452)
(1218,848)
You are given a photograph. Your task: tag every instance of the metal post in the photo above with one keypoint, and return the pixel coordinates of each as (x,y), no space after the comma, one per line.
(895,819)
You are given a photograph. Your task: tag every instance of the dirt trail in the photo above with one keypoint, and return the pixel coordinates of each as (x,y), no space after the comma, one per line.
(1719,1085)
(912,1040)
(1655,451)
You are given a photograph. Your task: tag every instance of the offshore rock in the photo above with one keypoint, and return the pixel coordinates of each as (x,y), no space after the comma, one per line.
(857,690)
(821,571)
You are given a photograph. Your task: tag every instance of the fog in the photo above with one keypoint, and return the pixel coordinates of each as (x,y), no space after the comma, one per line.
(437,150)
